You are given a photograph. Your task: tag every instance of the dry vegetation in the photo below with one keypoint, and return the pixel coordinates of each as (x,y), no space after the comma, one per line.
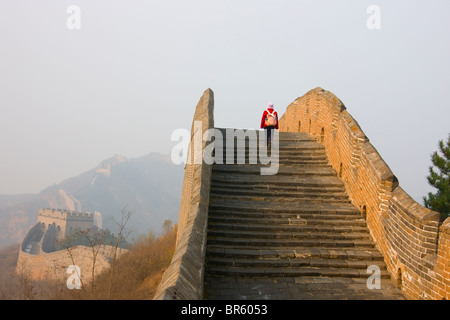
(134,275)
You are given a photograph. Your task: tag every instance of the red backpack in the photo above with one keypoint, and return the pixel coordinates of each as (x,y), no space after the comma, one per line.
(271,118)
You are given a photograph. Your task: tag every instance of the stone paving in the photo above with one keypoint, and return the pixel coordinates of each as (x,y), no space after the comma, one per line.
(298,288)
(294,235)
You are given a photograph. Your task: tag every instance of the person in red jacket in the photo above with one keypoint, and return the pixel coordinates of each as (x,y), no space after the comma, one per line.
(269,121)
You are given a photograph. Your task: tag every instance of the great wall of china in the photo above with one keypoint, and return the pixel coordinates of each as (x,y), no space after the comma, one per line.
(340,210)
(40,258)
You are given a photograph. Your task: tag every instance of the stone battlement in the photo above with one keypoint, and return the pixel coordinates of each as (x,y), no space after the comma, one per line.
(62,214)
(67,221)
(40,256)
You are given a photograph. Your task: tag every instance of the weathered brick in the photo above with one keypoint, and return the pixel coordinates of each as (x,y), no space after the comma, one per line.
(413,231)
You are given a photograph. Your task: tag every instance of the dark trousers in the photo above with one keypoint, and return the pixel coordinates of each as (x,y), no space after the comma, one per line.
(269,130)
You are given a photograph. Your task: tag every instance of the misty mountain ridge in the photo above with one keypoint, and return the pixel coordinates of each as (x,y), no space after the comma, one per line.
(149,185)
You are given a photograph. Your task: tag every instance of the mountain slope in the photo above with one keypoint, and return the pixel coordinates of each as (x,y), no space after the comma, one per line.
(149,185)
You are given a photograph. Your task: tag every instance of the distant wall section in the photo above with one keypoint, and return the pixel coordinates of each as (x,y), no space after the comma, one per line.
(53,266)
(40,257)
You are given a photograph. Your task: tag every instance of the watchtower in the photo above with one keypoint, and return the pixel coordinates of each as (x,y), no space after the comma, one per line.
(67,221)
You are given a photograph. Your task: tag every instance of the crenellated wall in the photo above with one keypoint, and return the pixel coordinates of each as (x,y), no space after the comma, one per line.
(40,257)
(67,220)
(184,277)
(415,245)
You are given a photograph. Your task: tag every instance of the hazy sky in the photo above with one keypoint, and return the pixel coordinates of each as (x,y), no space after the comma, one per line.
(135,70)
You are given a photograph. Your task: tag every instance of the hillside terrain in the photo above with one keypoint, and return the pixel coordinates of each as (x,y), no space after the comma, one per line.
(149,185)
(134,275)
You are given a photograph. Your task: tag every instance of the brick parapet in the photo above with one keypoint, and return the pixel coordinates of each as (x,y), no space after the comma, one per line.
(416,250)
(62,214)
(184,277)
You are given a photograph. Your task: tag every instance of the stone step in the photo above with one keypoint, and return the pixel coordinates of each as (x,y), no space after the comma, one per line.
(218,224)
(284,252)
(314,164)
(307,146)
(323,198)
(294,262)
(290,216)
(263,187)
(303,163)
(233,234)
(277,207)
(291,272)
(298,139)
(282,161)
(255,169)
(298,159)
(231,179)
(281,193)
(304,146)
(255,218)
(267,242)
(284,136)
(297,288)
(315,153)
(246,220)
(291,137)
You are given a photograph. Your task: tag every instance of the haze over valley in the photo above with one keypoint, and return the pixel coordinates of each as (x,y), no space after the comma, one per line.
(149,185)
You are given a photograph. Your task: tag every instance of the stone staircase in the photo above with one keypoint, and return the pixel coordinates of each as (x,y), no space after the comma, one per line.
(293,235)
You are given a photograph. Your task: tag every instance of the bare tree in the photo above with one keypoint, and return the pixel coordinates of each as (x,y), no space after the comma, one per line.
(68,243)
(95,241)
(167,226)
(91,238)
(122,235)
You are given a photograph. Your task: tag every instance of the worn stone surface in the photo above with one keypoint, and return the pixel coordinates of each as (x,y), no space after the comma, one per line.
(298,288)
(294,235)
